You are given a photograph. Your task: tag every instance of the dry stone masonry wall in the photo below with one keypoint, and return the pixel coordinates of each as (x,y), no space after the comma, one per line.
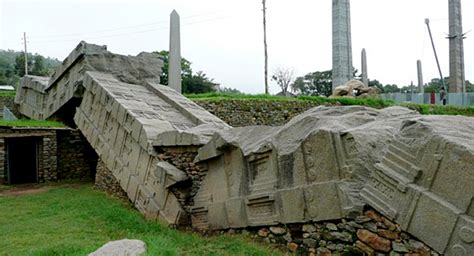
(178,163)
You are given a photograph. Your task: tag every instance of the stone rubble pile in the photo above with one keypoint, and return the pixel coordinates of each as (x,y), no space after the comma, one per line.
(368,234)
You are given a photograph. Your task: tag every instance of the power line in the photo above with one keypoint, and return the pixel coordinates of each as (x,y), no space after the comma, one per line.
(124,34)
(118,28)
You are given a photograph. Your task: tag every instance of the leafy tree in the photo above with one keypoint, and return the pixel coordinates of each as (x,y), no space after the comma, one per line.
(230,90)
(186,70)
(192,83)
(199,83)
(20,64)
(315,83)
(283,77)
(469,86)
(435,85)
(38,66)
(377,84)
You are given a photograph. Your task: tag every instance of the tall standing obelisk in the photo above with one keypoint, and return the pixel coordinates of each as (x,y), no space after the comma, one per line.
(456,48)
(421,85)
(365,74)
(341,43)
(174,65)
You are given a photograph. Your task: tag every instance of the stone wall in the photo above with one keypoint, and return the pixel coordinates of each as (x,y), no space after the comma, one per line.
(47,149)
(106,181)
(76,158)
(9,102)
(62,153)
(239,113)
(48,158)
(366,234)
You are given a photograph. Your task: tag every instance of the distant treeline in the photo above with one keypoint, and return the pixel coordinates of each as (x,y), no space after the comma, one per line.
(12,66)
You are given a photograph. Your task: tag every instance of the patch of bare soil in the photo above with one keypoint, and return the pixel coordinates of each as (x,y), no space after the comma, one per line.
(23,189)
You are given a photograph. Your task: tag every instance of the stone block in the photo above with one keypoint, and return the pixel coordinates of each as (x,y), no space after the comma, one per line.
(432,216)
(132,188)
(462,241)
(293,205)
(218,214)
(262,210)
(236,214)
(322,202)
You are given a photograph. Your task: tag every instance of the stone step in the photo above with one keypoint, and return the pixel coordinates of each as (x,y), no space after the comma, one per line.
(392,176)
(399,164)
(402,146)
(399,160)
(402,153)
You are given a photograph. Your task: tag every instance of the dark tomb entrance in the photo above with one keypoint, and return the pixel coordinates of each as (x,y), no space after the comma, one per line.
(22,160)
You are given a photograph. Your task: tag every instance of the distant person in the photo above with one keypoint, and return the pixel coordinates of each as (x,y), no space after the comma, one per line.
(433,98)
(442,95)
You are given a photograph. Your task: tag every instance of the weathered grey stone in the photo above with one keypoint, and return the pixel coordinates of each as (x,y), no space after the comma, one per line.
(331,227)
(174,68)
(421,85)
(399,247)
(365,76)
(278,230)
(297,157)
(123,247)
(341,43)
(123,111)
(457,82)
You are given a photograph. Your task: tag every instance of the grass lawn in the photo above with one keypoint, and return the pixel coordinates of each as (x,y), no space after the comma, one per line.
(75,219)
(31,123)
(423,109)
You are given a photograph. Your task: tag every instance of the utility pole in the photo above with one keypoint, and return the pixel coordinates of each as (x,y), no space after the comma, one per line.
(26,54)
(427,21)
(265,44)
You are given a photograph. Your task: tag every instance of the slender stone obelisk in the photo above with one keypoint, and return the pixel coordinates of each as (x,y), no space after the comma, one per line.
(421,87)
(174,67)
(341,43)
(365,75)
(456,48)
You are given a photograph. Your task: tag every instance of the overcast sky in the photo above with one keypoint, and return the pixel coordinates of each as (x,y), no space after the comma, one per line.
(224,38)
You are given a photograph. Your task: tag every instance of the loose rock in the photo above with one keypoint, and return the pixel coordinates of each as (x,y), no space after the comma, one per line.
(123,247)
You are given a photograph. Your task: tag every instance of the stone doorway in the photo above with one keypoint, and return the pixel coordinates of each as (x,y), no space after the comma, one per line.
(22,160)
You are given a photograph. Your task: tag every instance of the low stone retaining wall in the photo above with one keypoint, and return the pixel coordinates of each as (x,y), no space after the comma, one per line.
(368,234)
(239,113)
(76,158)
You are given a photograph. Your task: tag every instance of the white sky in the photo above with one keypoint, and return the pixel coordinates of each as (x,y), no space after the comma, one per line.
(224,38)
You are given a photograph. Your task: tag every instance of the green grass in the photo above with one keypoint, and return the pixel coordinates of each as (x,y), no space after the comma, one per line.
(371,102)
(424,109)
(76,220)
(31,123)
(427,109)
(4,93)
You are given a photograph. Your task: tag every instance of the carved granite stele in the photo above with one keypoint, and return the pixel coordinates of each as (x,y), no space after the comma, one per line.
(322,165)
(329,161)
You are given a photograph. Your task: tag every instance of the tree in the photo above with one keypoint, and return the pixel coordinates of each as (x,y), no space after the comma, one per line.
(435,85)
(199,83)
(38,66)
(283,77)
(230,90)
(315,83)
(20,64)
(469,86)
(192,83)
(186,70)
(375,83)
